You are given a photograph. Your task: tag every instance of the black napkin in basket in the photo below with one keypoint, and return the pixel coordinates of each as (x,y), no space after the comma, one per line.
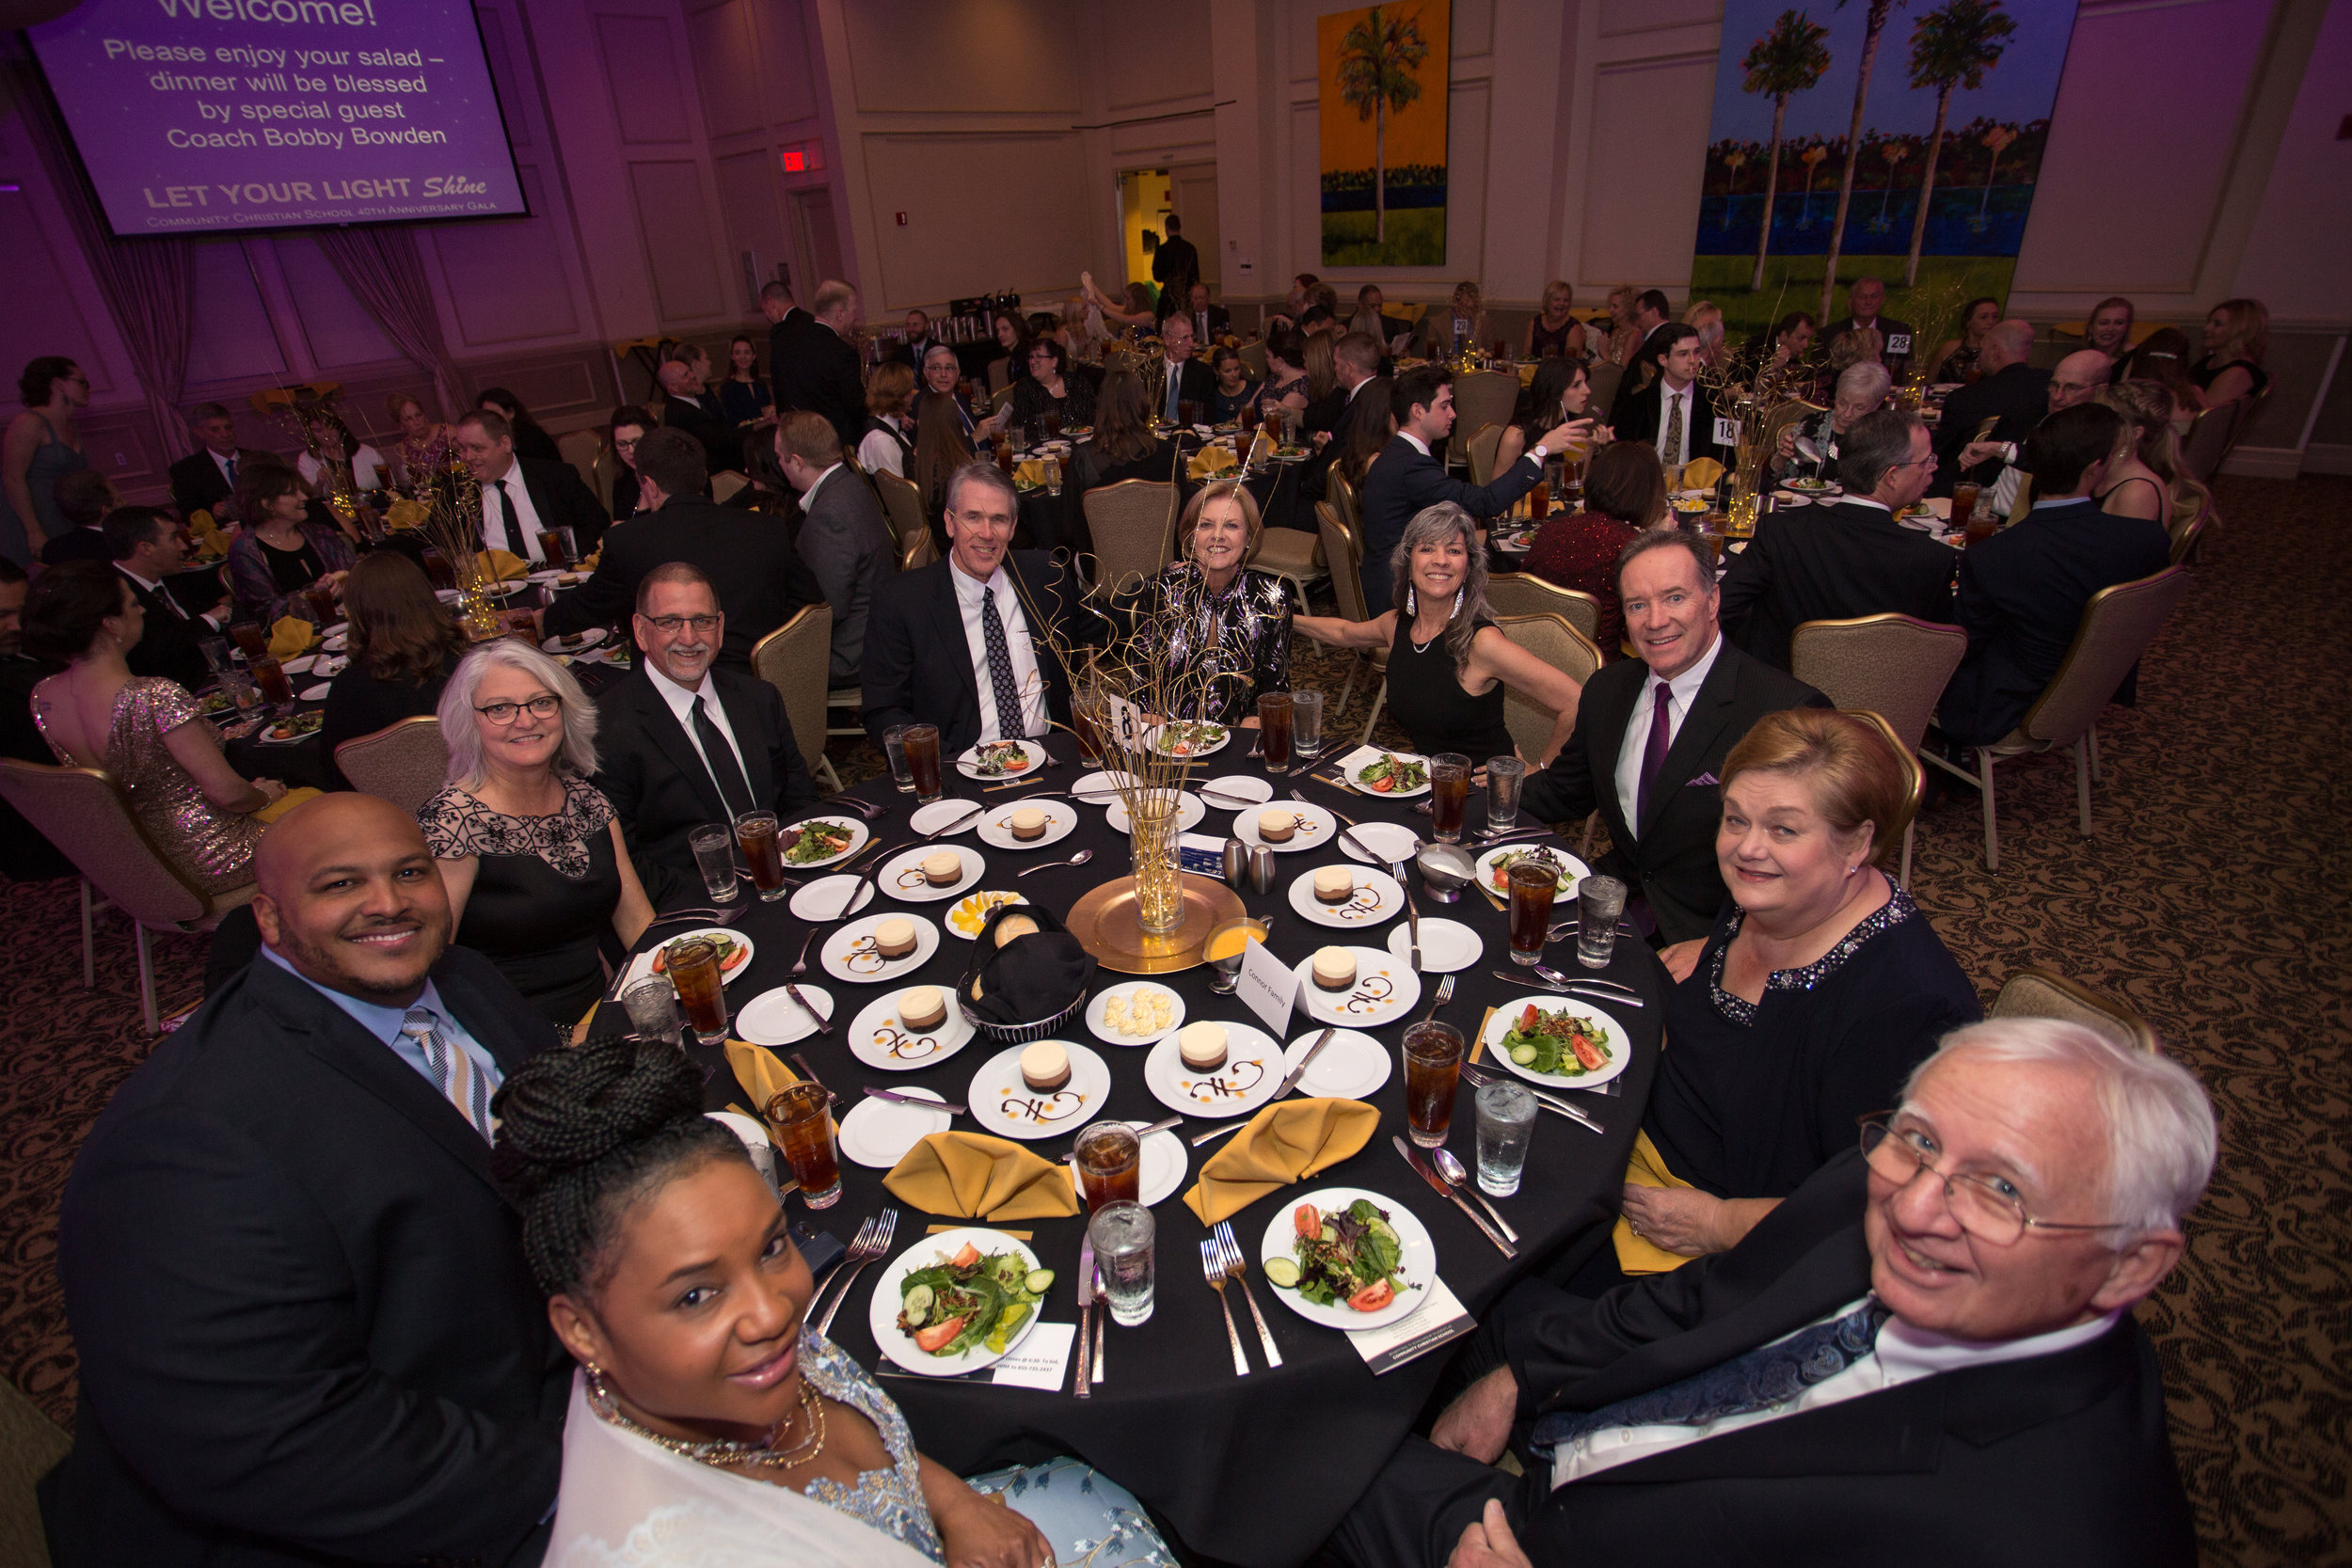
(1030,978)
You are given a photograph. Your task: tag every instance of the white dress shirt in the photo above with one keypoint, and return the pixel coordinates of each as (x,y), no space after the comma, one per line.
(1681,693)
(516,519)
(1689,396)
(881,452)
(170,603)
(1903,1354)
(367,468)
(682,701)
(1026,676)
(808,497)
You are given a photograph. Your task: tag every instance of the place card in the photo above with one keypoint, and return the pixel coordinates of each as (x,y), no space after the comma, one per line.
(1128,728)
(1439,1319)
(1269,986)
(1727,432)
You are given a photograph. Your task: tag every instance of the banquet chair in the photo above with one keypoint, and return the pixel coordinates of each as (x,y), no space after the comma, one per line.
(2118,625)
(2185,535)
(2037,992)
(1001,396)
(999,375)
(1553,639)
(1347,586)
(921,553)
(1482,398)
(1341,494)
(84,812)
(1604,380)
(1293,555)
(580,449)
(1131,522)
(1914,790)
(1482,448)
(601,474)
(406,762)
(1253,358)
(783,658)
(1890,666)
(2022,506)
(1794,411)
(726,484)
(1525,593)
(902,508)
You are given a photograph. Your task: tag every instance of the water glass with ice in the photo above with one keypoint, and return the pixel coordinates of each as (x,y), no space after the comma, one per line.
(1506,1125)
(1121,1233)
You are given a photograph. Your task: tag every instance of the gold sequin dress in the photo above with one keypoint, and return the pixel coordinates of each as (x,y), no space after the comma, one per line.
(213,845)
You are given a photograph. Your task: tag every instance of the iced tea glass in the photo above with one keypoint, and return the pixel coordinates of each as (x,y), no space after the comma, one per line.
(922,744)
(755,832)
(802,1117)
(1433,1069)
(1274,730)
(693,967)
(1449,792)
(1110,1163)
(1534,885)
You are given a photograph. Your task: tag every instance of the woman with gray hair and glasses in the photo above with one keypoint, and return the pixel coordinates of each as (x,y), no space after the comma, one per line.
(1448,661)
(530,850)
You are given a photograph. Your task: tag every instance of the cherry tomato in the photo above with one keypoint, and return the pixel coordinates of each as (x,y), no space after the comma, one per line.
(1383,786)
(1373,1297)
(929,1339)
(1306,1221)
(1528,1019)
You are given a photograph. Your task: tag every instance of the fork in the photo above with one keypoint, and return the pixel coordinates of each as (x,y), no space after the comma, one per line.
(716,916)
(1213,1270)
(873,1240)
(1237,1270)
(1445,995)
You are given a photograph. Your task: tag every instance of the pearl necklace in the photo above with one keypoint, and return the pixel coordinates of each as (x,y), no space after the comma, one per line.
(721,1453)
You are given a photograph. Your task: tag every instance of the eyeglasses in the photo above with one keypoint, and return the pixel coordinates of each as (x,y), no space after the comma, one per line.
(670,625)
(503,714)
(1989,1207)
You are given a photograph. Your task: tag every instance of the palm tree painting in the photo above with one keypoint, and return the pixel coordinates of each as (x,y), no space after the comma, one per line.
(1787,60)
(1377,58)
(1893,152)
(1951,47)
(1995,141)
(1383,111)
(1812,160)
(1871,29)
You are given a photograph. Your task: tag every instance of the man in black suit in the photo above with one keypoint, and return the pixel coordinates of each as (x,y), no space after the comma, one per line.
(818,367)
(307,1332)
(683,744)
(746,555)
(1932,1340)
(937,634)
(919,340)
(843,545)
(1357,359)
(1176,264)
(1675,413)
(785,318)
(525,496)
(25,855)
(1176,376)
(1407,479)
(689,405)
(84,499)
(2022,592)
(1650,768)
(1207,319)
(145,544)
(1836,562)
(1862,304)
(206,478)
(2073,380)
(2010,393)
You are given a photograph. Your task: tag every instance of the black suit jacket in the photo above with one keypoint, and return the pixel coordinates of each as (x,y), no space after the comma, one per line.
(1198,385)
(2021,598)
(1896,345)
(199,485)
(307,1332)
(647,767)
(1402,480)
(563,500)
(1638,412)
(817,370)
(2017,395)
(918,667)
(1832,563)
(1176,265)
(167,641)
(779,334)
(707,422)
(746,555)
(1671,858)
(842,552)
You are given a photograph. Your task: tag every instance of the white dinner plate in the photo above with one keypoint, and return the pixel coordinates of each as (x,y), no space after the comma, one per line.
(772,1018)
(789,834)
(1384,991)
(901,876)
(316,694)
(1356,776)
(849,954)
(728,973)
(1418,1268)
(1031,749)
(1351,1067)
(1098,1009)
(1378,895)
(878,1132)
(1316,827)
(1002,1103)
(573,643)
(1572,871)
(880,1038)
(931,818)
(820,900)
(1446,945)
(928,1251)
(1221,794)
(1252,1070)
(1061,820)
(1099,788)
(1189,811)
(1159,740)
(971,912)
(298,666)
(1506,1016)
(1391,841)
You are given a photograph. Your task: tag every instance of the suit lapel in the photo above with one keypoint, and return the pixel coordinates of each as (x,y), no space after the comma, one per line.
(948,613)
(750,738)
(1710,710)
(1612,699)
(670,736)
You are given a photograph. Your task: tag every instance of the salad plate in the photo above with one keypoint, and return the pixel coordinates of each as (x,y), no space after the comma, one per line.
(986,1269)
(815,841)
(1186,737)
(878,1133)
(735,951)
(1396,774)
(1380,1248)
(1495,864)
(1002,759)
(1546,1030)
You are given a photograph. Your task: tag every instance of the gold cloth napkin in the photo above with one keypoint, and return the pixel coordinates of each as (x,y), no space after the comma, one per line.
(1209,461)
(760,1073)
(209,539)
(1029,471)
(973,1175)
(502,566)
(406,512)
(1636,1254)
(290,636)
(1701,473)
(1284,1142)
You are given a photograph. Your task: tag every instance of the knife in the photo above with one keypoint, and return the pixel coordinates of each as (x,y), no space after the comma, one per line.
(916,1101)
(954,822)
(1083,1386)
(824,1025)
(1307,1061)
(1102,1322)
(1412,910)
(1610,997)
(1471,1214)
(810,1073)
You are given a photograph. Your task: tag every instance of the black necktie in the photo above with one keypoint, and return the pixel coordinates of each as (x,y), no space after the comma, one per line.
(735,789)
(1009,724)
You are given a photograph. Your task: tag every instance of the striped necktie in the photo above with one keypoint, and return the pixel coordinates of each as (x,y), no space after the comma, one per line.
(463,1083)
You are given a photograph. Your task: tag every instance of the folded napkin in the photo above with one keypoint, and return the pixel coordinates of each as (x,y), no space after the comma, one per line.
(973,1175)
(1701,473)
(501,565)
(406,512)
(1287,1142)
(761,1074)
(1211,460)
(207,533)
(1637,1254)
(1029,471)
(290,636)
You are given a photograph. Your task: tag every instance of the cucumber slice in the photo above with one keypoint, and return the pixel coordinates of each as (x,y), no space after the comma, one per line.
(1386,1234)
(1523,1054)
(1038,1281)
(1281,1273)
(917,1304)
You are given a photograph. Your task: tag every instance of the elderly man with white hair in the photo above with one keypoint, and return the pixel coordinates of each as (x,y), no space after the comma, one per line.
(1925,1356)
(1861,389)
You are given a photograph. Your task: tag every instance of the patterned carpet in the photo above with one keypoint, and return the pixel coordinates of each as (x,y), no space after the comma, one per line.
(2212,898)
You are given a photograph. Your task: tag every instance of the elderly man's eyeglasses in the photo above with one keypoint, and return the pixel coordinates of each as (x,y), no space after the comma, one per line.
(1989,1207)
(670,625)
(503,714)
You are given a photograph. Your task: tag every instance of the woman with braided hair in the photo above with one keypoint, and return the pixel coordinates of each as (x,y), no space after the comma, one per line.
(710,1426)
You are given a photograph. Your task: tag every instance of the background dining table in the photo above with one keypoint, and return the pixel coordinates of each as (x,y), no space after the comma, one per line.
(1253,1470)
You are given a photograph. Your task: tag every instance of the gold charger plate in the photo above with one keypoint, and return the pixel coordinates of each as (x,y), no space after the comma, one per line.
(1105,923)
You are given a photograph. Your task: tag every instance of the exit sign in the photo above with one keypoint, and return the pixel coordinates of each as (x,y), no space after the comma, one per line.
(806,157)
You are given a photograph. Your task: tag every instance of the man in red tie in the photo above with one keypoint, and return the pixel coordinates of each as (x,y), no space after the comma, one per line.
(1652,731)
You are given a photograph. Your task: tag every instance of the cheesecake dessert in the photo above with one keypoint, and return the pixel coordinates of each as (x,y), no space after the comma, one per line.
(1201,1047)
(1334,884)
(1045,1066)
(943,868)
(1029,823)
(895,938)
(1334,967)
(1278,826)
(923,1009)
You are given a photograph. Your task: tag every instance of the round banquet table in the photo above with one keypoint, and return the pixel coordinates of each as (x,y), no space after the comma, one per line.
(1253,1470)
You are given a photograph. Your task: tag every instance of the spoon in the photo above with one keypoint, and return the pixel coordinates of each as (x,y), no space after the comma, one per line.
(1451,1169)
(1079,858)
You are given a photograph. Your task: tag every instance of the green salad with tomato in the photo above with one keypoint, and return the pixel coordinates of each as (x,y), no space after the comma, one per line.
(1557,1043)
(1391,773)
(972,1299)
(1351,1256)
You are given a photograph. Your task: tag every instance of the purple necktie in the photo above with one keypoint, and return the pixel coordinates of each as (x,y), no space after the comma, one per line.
(1653,751)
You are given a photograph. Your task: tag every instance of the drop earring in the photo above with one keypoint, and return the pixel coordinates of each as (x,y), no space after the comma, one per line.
(1457,601)
(1412,601)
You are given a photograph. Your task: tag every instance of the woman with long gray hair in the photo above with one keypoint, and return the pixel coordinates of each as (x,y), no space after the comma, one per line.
(529,850)
(1448,661)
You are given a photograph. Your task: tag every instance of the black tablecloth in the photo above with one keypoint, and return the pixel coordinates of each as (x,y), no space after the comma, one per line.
(1253,1470)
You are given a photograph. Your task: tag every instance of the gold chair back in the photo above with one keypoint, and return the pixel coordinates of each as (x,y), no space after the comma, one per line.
(1130,523)
(1481,450)
(600,476)
(1341,494)
(1795,411)
(2118,626)
(1253,358)
(922,552)
(1604,380)
(84,812)
(1915,791)
(726,484)
(1525,593)
(2037,992)
(999,374)
(406,762)
(1894,666)
(902,508)
(796,658)
(580,449)
(2186,534)
(1551,639)
(1346,562)
(1482,398)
